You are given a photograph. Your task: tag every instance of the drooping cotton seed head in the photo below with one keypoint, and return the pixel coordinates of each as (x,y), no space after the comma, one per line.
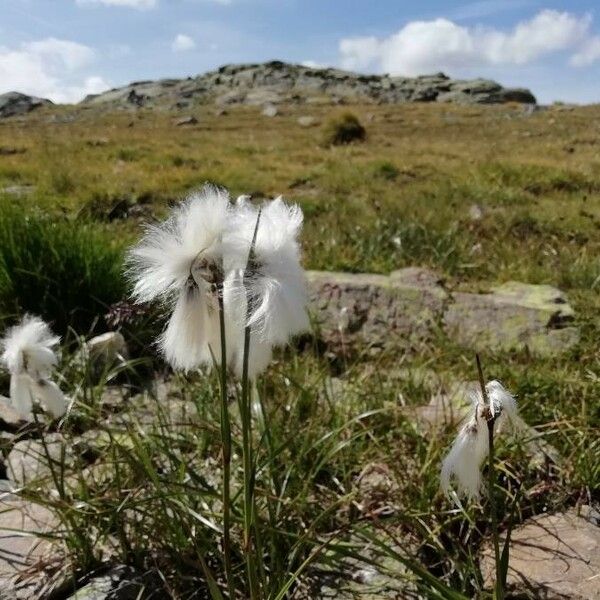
(465,459)
(463,463)
(28,353)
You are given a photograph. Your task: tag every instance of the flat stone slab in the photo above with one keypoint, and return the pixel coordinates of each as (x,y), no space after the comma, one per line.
(410,307)
(23,550)
(554,557)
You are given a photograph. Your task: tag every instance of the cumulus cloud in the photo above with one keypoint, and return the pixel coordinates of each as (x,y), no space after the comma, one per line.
(182,42)
(139,4)
(50,68)
(425,46)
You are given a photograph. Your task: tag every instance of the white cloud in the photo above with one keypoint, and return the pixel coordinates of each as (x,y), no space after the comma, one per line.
(50,68)
(588,54)
(139,4)
(426,46)
(182,42)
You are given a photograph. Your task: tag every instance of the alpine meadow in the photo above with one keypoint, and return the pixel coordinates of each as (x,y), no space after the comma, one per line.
(337,348)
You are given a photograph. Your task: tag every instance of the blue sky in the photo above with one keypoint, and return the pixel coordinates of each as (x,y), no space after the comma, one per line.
(63,49)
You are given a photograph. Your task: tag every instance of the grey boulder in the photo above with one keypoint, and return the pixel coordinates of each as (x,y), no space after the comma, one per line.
(15,103)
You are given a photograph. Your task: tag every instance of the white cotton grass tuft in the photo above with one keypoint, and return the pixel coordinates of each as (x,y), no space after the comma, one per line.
(28,354)
(469,450)
(274,283)
(180,262)
(464,461)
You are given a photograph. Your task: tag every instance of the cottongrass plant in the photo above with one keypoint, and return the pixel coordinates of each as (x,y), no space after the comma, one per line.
(491,406)
(28,354)
(231,278)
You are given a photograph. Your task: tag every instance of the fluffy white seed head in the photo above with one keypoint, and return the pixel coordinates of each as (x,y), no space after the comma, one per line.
(29,356)
(471,446)
(276,284)
(180,262)
(463,463)
(28,347)
(159,266)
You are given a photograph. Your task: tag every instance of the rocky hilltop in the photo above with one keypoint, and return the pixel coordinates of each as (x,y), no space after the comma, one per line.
(275,82)
(15,103)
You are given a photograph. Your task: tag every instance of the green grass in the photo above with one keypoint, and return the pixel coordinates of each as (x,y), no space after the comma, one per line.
(150,494)
(66,271)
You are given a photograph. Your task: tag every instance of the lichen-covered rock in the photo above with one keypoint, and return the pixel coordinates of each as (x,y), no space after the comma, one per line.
(515,315)
(411,306)
(307,121)
(554,557)
(376,310)
(270,110)
(375,489)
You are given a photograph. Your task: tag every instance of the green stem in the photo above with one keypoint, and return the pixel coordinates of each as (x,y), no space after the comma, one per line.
(491,420)
(246,414)
(249,512)
(226,443)
(499,595)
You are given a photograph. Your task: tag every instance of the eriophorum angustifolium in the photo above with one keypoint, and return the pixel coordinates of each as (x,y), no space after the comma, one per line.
(29,356)
(201,251)
(471,446)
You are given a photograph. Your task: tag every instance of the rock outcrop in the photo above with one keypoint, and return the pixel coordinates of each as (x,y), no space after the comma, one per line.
(275,82)
(15,103)
(411,306)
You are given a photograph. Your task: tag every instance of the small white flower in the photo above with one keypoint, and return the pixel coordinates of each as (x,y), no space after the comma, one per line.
(471,446)
(274,284)
(29,356)
(180,262)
